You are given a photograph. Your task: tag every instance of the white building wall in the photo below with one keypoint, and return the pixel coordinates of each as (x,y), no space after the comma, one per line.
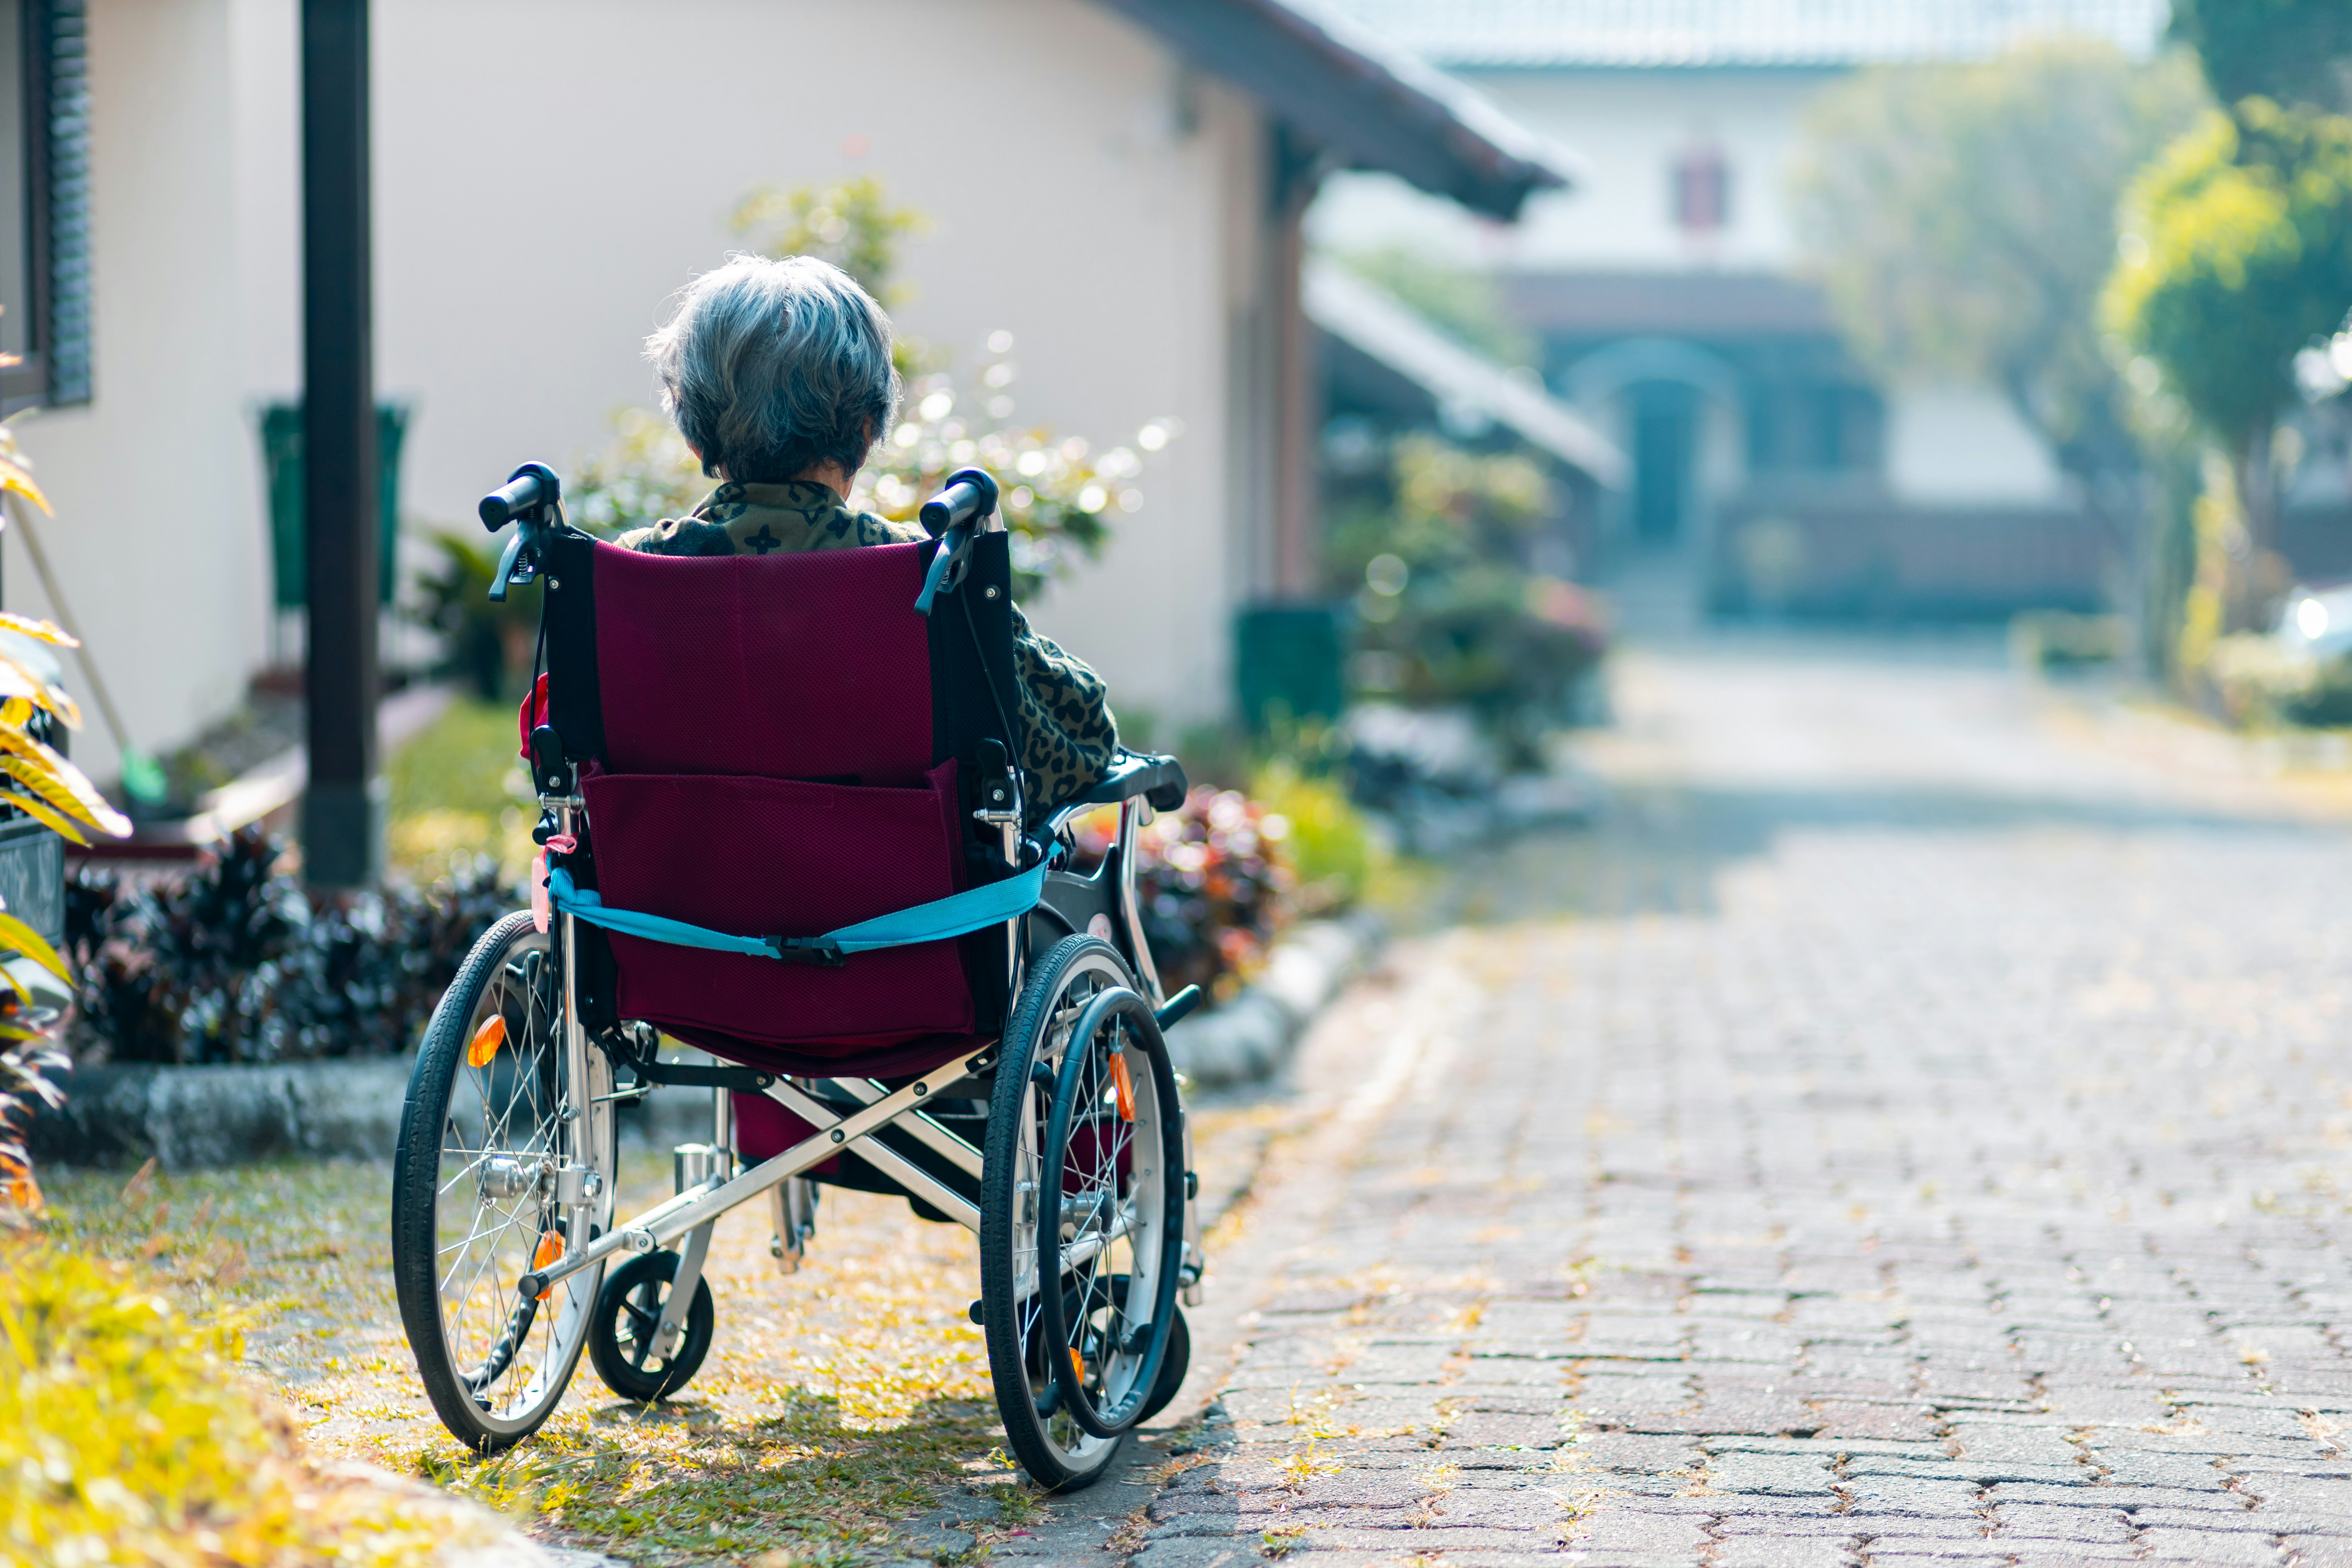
(1960,446)
(549,171)
(158,542)
(1628,129)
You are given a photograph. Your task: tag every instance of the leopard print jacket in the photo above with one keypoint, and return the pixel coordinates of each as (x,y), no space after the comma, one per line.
(1069,737)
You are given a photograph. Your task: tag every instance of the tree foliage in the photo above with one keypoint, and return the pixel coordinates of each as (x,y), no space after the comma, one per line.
(851,224)
(1962,220)
(1462,303)
(2237,254)
(2289,51)
(1059,493)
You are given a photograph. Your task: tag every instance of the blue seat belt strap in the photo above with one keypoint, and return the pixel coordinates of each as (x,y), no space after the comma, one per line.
(958,914)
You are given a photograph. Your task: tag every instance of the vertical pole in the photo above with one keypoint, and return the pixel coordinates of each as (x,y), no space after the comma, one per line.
(343,808)
(1298,384)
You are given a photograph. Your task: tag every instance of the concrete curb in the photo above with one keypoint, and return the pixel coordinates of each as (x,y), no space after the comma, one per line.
(1249,1039)
(187,1117)
(191,1117)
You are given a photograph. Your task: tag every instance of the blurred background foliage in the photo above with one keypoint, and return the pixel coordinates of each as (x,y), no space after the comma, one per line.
(1431,550)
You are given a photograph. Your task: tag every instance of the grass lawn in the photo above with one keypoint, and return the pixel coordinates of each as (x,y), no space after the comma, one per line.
(838,1405)
(458,789)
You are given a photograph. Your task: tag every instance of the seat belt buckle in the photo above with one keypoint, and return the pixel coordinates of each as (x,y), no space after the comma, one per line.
(813,950)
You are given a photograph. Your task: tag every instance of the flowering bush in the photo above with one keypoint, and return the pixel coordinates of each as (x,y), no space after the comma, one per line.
(1059,491)
(1215,880)
(1056,492)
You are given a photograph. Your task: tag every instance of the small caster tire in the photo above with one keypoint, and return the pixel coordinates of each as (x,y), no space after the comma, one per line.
(1173,1368)
(628,1311)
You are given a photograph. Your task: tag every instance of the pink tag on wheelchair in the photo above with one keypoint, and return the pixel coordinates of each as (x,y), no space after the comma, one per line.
(541,914)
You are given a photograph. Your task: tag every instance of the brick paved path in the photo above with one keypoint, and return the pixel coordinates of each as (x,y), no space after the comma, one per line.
(1918,1143)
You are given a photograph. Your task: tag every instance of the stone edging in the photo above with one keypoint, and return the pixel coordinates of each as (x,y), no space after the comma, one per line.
(1250,1037)
(188,1117)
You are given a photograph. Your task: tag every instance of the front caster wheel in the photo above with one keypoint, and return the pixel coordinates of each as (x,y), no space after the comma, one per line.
(628,1314)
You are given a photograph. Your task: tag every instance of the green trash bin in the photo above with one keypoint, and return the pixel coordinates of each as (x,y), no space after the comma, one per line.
(281,459)
(1287,663)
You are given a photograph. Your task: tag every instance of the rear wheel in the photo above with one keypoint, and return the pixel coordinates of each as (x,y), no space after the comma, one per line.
(1081,1214)
(505,1165)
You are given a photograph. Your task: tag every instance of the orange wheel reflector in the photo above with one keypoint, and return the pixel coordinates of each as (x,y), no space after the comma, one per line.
(550,1250)
(1079,1367)
(1124,1085)
(486,1041)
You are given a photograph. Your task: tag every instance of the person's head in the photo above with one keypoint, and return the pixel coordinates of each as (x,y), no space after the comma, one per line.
(775,370)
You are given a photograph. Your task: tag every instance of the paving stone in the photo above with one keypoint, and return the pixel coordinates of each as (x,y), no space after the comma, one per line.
(1907,1086)
(2207,1547)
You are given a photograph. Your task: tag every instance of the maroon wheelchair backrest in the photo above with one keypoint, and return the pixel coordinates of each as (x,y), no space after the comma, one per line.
(764,758)
(801,665)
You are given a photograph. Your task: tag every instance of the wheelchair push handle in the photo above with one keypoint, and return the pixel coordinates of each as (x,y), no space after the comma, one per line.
(971,494)
(530,500)
(533,487)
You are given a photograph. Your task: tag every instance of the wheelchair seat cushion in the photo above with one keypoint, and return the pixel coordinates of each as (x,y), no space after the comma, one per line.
(762,857)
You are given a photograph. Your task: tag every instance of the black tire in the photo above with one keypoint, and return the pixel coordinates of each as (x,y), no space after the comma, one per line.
(494,1365)
(1173,1365)
(1114,1178)
(1173,1368)
(628,1311)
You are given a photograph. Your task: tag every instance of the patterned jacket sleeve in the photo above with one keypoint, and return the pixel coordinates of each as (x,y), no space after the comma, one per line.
(1070,735)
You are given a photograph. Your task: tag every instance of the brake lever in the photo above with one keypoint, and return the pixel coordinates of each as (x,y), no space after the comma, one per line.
(505,568)
(948,562)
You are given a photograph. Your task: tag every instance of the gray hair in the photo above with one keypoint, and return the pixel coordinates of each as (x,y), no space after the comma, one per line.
(771,368)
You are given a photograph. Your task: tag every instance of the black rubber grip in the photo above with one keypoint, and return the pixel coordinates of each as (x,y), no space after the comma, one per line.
(520,494)
(969,493)
(534,486)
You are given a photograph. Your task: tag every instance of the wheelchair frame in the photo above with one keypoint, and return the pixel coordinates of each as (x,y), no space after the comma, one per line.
(845,1114)
(693,1211)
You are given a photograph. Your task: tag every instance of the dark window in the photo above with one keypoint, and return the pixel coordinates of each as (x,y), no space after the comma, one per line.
(1814,429)
(43,202)
(1702,191)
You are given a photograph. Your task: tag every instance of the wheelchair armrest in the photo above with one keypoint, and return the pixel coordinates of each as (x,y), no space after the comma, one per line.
(1160,780)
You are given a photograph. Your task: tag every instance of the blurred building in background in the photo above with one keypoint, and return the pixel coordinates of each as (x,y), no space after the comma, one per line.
(1768,474)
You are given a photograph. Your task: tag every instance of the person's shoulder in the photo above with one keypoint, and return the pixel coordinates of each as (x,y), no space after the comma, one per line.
(679,536)
(873,529)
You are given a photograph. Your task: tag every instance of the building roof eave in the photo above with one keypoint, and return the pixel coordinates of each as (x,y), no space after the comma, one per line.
(1376,324)
(1372,103)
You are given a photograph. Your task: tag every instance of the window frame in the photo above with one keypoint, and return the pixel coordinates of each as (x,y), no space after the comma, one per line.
(54,98)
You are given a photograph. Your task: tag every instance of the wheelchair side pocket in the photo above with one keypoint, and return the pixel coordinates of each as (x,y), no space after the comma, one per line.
(760,857)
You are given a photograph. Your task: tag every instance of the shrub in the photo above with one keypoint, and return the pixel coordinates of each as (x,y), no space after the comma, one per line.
(237,963)
(127,1437)
(1447,613)
(1332,852)
(1213,884)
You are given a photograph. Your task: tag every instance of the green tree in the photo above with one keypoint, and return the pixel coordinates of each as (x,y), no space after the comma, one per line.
(1962,220)
(851,224)
(2289,51)
(2237,252)
(1466,304)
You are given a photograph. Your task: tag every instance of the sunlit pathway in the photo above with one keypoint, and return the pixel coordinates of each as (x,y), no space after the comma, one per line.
(1891,1136)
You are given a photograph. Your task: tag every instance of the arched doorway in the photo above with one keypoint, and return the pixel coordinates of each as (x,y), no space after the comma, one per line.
(1663,419)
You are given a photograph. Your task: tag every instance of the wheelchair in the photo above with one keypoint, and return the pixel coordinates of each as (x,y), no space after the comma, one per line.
(781,821)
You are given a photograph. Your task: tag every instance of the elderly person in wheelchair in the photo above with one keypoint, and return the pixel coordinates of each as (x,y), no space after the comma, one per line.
(806,778)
